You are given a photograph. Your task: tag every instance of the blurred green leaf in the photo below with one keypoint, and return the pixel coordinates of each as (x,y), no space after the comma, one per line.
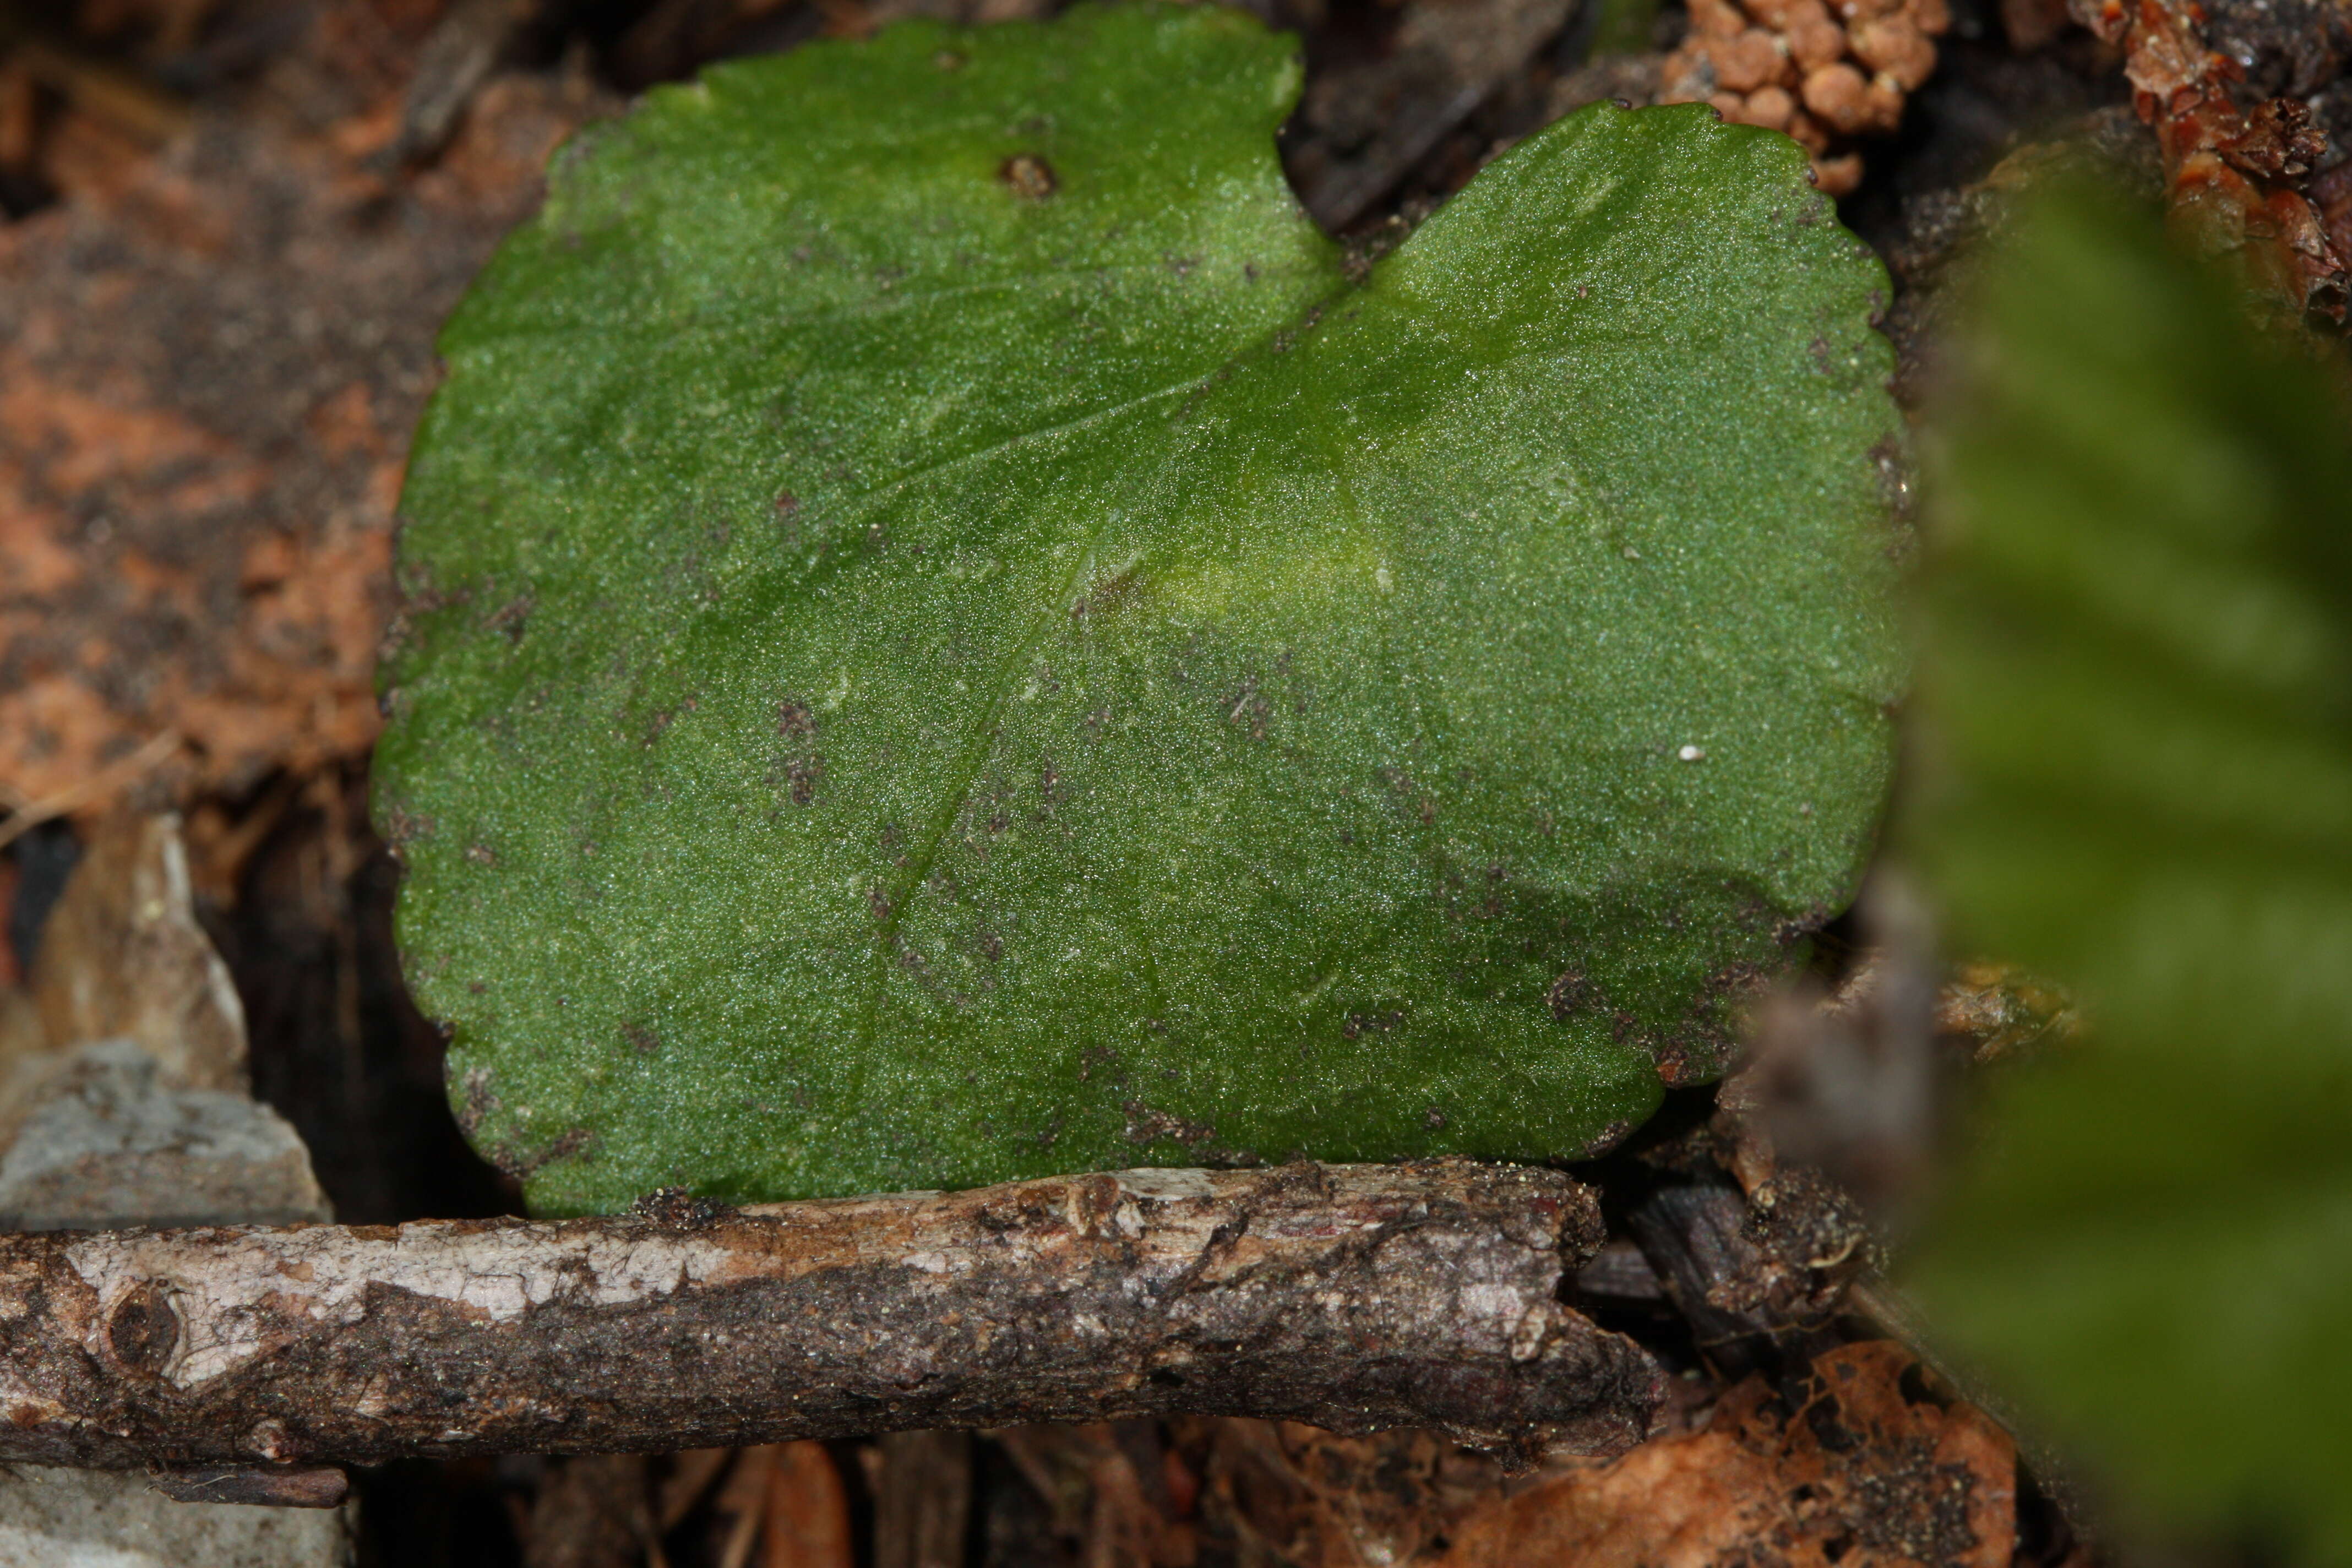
(2137,780)
(955,638)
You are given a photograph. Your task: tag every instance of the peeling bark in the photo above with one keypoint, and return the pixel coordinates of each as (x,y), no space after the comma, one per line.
(1349,1296)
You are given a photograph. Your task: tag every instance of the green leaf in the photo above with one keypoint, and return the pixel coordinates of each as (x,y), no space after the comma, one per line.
(2138,688)
(956,637)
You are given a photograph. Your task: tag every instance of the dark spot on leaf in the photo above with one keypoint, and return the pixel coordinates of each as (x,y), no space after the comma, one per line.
(522,1167)
(642,1038)
(1031,177)
(479,1101)
(1676,1067)
(511,618)
(402,827)
(1569,995)
(801,777)
(1248,706)
(794,718)
(1112,594)
(1146,1125)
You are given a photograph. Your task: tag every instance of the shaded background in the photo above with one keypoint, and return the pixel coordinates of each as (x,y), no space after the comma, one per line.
(231,229)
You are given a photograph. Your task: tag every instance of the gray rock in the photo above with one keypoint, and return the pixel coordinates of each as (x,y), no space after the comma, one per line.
(112,1141)
(113,1145)
(101,1519)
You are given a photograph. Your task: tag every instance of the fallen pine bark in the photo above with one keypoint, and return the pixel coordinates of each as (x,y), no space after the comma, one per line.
(1351,1297)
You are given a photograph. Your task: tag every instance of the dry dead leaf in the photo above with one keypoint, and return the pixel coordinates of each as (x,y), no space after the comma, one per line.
(742,1502)
(1119,1496)
(210,359)
(692,1471)
(2234,175)
(121,957)
(587,1514)
(1320,1501)
(1872,1472)
(807,1512)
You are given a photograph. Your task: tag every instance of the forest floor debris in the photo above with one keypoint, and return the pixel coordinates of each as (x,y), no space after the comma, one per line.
(230,229)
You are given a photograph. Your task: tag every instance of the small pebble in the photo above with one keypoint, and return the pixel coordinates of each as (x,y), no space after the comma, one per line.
(1770,107)
(1838,176)
(1816,41)
(1748,61)
(1896,47)
(1836,93)
(1719,17)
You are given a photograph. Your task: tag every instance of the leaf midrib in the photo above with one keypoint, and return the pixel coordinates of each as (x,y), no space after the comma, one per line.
(981,738)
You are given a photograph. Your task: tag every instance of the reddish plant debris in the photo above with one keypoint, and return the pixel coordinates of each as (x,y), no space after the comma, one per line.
(1325,1501)
(2331,194)
(1230,1490)
(1872,1468)
(1827,72)
(196,502)
(1993,1011)
(1115,1492)
(2233,174)
(1869,1465)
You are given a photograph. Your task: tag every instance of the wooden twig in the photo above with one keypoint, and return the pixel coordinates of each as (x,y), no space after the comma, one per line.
(130,104)
(1352,1297)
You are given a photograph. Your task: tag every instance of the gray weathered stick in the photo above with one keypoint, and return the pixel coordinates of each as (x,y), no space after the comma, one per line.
(1351,1297)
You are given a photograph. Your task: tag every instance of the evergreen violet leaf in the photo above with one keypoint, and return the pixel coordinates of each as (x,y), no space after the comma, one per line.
(953,636)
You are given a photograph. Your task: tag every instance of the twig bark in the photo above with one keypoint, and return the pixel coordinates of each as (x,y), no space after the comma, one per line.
(1349,1296)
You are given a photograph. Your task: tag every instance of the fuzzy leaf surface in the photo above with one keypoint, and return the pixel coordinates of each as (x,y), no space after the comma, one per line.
(955,636)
